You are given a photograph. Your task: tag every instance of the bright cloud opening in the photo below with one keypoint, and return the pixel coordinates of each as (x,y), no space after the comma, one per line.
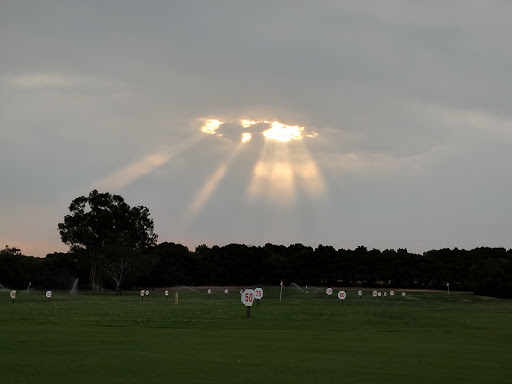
(246,136)
(276,130)
(283,132)
(248,123)
(210,126)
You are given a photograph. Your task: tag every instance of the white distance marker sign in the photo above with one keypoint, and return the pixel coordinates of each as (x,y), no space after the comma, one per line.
(248,297)
(226,291)
(48,294)
(258,293)
(403,294)
(342,295)
(13,295)
(360,293)
(329,291)
(392,293)
(166,293)
(374,293)
(209,291)
(147,292)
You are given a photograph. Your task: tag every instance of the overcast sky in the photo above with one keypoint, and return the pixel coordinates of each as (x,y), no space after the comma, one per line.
(397,114)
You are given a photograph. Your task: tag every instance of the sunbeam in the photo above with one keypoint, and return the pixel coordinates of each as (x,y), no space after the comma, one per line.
(209,187)
(281,167)
(284,166)
(144,166)
(273,174)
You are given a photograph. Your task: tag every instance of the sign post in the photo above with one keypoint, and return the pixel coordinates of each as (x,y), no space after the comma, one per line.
(360,293)
(258,295)
(448,286)
(248,299)
(142,295)
(166,293)
(48,295)
(176,298)
(13,296)
(329,291)
(281,293)
(342,295)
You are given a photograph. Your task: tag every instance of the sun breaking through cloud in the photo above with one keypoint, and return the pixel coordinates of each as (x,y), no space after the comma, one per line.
(211,126)
(284,167)
(271,130)
(283,132)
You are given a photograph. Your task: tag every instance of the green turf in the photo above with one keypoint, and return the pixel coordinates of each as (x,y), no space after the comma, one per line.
(423,338)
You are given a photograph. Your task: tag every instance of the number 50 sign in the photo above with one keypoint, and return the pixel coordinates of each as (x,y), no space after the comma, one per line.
(248,297)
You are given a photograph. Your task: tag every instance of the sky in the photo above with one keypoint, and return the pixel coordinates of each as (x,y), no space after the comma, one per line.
(378,123)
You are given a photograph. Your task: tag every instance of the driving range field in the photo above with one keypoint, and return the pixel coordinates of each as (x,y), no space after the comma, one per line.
(424,337)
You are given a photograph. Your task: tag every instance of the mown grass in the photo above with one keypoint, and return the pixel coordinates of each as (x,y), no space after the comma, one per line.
(420,338)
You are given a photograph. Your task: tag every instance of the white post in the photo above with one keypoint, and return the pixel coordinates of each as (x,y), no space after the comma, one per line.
(448,286)
(281,293)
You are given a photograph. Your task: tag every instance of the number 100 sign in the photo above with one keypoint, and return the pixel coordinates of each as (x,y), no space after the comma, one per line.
(248,297)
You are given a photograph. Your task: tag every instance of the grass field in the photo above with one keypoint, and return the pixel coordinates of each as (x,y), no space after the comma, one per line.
(425,337)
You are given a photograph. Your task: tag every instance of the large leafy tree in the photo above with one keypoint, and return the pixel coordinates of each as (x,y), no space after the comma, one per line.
(110,232)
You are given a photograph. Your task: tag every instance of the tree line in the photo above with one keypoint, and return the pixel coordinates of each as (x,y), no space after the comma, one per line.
(114,246)
(486,271)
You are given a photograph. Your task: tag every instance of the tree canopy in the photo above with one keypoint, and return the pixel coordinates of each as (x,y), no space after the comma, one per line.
(109,231)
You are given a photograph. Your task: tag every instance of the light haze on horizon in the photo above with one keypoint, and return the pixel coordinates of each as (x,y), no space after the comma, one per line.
(398,115)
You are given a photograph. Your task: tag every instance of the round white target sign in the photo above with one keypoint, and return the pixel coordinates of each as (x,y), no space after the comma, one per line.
(342,295)
(329,291)
(48,294)
(248,297)
(258,293)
